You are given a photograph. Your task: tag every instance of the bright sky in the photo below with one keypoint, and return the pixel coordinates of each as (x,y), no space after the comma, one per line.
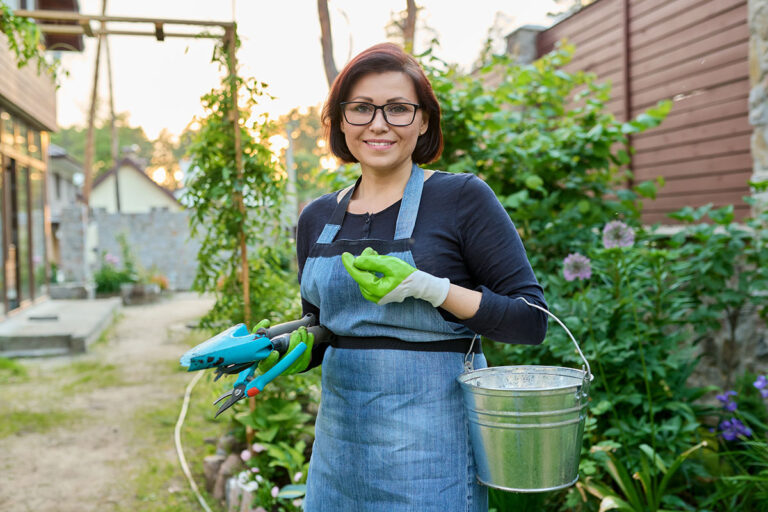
(160,83)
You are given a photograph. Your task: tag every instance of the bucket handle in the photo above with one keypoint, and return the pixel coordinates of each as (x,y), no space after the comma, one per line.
(588,377)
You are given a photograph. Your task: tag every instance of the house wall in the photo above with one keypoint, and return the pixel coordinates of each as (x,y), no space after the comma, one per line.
(694,52)
(28,94)
(137,194)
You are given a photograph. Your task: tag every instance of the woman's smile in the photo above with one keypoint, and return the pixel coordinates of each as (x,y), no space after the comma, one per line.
(379,144)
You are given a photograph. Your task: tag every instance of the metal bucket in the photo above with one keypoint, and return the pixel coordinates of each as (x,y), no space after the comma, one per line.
(526,423)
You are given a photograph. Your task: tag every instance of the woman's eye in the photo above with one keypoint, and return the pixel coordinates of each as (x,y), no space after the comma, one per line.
(397,109)
(362,108)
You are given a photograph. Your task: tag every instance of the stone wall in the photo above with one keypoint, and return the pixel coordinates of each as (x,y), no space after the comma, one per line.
(157,239)
(72,235)
(758,96)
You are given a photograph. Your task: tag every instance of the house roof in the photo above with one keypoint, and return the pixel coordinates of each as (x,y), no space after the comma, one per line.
(129,162)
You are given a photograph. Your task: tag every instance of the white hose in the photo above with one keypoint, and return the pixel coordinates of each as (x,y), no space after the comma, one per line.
(177,440)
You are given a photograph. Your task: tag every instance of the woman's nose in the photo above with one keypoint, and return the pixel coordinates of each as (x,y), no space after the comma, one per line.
(379,122)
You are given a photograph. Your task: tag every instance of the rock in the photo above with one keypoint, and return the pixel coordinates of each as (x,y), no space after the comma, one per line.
(231,465)
(225,445)
(211,466)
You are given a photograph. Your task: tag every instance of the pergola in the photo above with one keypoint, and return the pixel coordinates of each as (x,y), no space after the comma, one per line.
(77,24)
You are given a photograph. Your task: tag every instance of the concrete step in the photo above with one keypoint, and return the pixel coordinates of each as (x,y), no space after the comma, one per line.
(56,327)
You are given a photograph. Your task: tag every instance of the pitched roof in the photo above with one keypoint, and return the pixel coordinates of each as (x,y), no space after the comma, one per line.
(129,162)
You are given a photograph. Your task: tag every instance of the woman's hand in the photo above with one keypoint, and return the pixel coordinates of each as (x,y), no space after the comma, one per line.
(398,279)
(300,335)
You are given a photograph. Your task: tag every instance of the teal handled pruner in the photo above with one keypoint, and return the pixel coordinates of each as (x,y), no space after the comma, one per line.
(238,351)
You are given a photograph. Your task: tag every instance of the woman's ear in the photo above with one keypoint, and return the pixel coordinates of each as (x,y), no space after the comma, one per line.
(424,126)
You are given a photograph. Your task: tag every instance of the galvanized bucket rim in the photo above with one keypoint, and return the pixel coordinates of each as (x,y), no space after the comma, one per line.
(466,376)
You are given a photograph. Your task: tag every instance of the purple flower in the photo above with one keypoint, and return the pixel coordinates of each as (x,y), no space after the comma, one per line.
(618,234)
(576,266)
(762,384)
(726,402)
(733,428)
(111,259)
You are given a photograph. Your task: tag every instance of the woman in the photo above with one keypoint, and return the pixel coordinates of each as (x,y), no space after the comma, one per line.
(391,432)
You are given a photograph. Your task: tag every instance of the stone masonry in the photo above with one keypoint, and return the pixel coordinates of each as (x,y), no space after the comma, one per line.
(159,239)
(758,96)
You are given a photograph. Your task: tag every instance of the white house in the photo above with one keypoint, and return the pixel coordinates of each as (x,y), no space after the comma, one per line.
(127,189)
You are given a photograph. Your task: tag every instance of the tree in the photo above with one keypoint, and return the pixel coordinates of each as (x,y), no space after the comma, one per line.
(403,25)
(326,40)
(73,140)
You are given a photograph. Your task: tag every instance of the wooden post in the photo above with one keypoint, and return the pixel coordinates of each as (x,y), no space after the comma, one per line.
(238,196)
(626,57)
(113,125)
(88,163)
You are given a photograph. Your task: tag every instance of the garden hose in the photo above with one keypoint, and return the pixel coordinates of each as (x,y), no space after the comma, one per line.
(177,440)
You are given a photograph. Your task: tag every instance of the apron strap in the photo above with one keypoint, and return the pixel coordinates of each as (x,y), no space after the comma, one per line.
(334,225)
(406,217)
(409,207)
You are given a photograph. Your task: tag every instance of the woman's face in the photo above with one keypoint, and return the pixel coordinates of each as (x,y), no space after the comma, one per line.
(378,145)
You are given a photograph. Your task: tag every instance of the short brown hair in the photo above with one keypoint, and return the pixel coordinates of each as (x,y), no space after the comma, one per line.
(381,58)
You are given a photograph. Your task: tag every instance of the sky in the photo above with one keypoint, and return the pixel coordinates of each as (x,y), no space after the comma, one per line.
(160,83)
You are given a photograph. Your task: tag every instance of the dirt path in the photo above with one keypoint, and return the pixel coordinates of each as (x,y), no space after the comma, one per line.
(99,404)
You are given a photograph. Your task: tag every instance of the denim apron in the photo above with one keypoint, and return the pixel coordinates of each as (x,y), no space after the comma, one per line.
(391,433)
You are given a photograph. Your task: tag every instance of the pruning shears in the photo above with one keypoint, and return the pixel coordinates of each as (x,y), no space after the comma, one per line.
(238,351)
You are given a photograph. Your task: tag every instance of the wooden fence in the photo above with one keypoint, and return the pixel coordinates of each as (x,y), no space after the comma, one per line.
(694,52)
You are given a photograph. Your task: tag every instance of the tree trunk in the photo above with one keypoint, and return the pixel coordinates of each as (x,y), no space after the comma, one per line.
(326,40)
(409,29)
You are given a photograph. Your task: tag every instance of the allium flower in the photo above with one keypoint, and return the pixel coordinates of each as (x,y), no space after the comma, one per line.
(733,428)
(258,448)
(576,266)
(762,384)
(275,491)
(618,234)
(255,469)
(245,455)
(111,259)
(298,476)
(727,403)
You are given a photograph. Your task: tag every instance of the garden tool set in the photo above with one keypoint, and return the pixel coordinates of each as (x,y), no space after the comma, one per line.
(237,351)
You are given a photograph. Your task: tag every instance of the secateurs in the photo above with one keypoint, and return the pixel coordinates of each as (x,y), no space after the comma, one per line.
(238,351)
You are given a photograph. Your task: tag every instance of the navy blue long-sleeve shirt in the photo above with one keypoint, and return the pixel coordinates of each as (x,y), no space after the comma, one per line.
(463,233)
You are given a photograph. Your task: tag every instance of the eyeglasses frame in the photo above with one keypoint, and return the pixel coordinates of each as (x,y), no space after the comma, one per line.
(383,113)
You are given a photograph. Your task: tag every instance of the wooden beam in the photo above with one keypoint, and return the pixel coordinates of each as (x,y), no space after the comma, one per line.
(74,16)
(77,30)
(86,26)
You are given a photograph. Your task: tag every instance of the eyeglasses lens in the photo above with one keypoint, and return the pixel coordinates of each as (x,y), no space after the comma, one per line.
(396,114)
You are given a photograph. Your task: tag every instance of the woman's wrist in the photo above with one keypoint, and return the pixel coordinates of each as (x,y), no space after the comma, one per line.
(461,302)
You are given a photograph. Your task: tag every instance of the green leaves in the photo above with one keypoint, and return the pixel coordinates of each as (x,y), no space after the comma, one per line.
(25,41)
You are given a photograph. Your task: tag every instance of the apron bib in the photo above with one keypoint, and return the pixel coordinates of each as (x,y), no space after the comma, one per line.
(391,433)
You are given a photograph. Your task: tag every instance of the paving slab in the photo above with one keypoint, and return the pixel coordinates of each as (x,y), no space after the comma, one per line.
(56,327)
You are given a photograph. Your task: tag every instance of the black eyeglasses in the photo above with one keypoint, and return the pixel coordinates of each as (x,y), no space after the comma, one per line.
(359,113)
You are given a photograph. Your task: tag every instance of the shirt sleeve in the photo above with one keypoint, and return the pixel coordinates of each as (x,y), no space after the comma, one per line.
(306,234)
(496,258)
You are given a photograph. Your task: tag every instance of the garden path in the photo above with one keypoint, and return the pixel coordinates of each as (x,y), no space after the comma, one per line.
(82,428)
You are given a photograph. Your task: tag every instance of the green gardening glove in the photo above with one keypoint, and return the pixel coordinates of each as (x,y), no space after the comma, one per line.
(398,279)
(298,336)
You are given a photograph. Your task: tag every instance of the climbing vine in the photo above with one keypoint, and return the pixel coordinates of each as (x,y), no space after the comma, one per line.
(219,222)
